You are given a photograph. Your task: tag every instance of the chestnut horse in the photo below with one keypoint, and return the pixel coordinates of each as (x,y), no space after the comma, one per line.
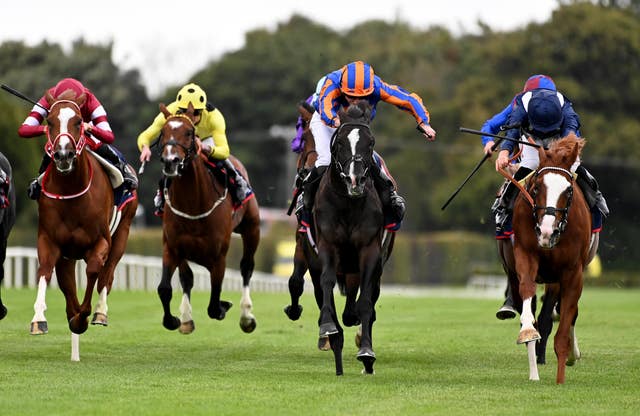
(197,225)
(552,241)
(76,221)
(349,226)
(7,217)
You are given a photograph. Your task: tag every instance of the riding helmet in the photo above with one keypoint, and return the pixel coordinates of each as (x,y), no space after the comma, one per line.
(357,79)
(192,93)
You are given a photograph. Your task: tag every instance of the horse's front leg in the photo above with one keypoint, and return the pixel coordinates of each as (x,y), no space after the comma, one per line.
(328,321)
(371,270)
(187,325)
(47,257)
(165,292)
(217,308)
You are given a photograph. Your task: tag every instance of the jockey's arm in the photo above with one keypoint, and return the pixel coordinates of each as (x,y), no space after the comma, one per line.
(213,126)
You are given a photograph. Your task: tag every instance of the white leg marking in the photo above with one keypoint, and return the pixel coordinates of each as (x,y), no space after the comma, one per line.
(102,306)
(75,347)
(574,352)
(246,305)
(185,309)
(526,318)
(40,305)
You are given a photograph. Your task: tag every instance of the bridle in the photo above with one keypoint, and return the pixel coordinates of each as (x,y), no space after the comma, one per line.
(189,151)
(355,158)
(547,210)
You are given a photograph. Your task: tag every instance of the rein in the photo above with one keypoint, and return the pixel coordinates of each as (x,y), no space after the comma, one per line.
(179,213)
(70,196)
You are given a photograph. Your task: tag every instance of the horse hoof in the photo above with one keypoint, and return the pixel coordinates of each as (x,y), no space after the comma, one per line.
(39,328)
(171,322)
(3,312)
(99,319)
(293,312)
(367,357)
(328,329)
(506,312)
(350,320)
(187,327)
(225,305)
(358,337)
(528,335)
(324,344)
(248,325)
(78,325)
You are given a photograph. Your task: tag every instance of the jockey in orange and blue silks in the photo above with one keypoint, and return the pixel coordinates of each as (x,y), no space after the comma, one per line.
(342,87)
(96,126)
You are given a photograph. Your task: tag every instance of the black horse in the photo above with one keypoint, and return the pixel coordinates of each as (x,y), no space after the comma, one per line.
(7,216)
(349,228)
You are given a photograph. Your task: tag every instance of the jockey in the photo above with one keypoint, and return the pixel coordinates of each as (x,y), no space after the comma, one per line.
(210,127)
(357,81)
(493,125)
(96,125)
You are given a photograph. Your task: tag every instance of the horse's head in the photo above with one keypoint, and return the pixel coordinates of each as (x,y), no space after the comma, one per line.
(552,189)
(65,131)
(177,141)
(352,147)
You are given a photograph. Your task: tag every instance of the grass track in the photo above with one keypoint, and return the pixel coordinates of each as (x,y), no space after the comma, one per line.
(447,356)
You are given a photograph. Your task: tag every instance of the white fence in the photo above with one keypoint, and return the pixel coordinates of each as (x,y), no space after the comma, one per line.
(132,273)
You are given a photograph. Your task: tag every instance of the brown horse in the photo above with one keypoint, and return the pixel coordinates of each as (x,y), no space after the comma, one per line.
(197,226)
(77,220)
(7,217)
(552,245)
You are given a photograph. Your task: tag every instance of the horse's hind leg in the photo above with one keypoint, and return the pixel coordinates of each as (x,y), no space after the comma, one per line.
(250,239)
(350,314)
(217,308)
(545,321)
(187,325)
(568,313)
(296,283)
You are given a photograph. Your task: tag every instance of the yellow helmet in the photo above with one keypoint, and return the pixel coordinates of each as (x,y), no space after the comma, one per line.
(192,93)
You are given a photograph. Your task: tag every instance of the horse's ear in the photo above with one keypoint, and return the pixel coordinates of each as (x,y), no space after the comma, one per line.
(81,100)
(305,110)
(49,97)
(164,110)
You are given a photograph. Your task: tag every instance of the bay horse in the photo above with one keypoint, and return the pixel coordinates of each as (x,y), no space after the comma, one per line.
(77,220)
(552,245)
(349,227)
(197,226)
(7,217)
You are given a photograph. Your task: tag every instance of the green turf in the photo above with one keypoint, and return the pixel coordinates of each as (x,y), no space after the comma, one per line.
(436,355)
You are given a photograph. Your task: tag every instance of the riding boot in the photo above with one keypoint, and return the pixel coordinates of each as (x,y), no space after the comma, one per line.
(503,205)
(34,187)
(589,186)
(309,189)
(110,154)
(239,187)
(393,205)
(507,310)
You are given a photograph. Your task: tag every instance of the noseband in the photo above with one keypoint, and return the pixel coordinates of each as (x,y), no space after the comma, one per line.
(553,210)
(79,144)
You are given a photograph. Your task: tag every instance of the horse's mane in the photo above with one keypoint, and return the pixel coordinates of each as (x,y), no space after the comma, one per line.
(564,151)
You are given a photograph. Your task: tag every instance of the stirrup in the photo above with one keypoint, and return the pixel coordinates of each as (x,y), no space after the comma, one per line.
(506,312)
(34,190)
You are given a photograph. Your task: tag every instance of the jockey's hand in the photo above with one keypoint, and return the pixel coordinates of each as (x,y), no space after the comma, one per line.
(145,154)
(488,147)
(428,132)
(205,149)
(87,127)
(503,160)
(336,123)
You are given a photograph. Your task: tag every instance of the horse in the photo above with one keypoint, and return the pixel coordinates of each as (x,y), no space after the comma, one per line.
(349,226)
(305,256)
(197,226)
(7,218)
(77,220)
(552,245)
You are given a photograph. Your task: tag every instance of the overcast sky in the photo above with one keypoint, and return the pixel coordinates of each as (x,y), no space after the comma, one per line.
(168,41)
